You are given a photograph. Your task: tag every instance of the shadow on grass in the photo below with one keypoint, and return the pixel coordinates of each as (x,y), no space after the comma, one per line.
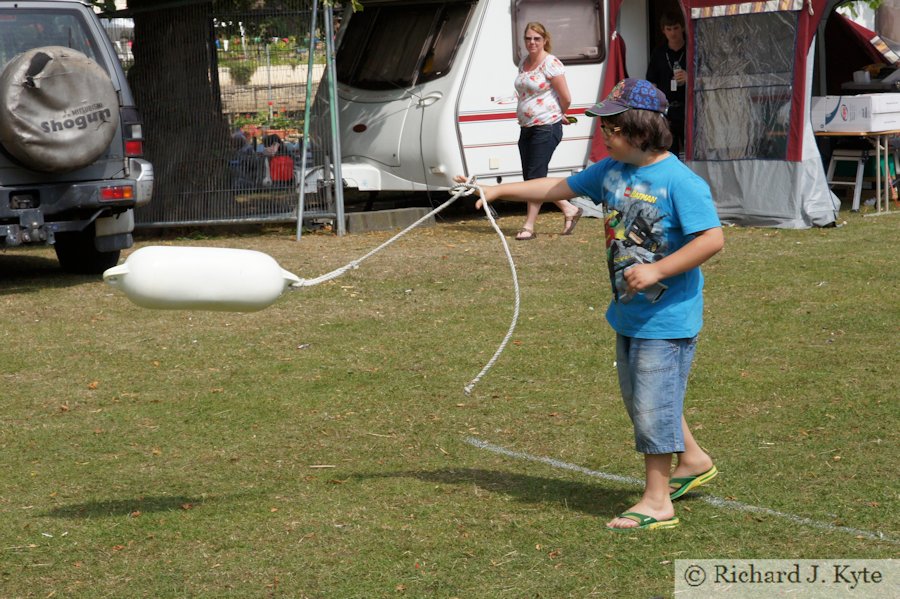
(124,507)
(21,272)
(592,499)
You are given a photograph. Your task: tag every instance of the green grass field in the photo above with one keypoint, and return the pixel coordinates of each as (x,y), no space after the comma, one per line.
(324,447)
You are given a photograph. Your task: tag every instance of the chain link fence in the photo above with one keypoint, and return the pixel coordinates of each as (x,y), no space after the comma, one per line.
(223,98)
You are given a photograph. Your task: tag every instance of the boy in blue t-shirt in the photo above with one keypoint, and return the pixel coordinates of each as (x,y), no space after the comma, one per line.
(661,225)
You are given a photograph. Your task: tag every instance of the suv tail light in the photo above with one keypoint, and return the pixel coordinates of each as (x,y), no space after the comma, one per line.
(118,192)
(133,131)
(134,148)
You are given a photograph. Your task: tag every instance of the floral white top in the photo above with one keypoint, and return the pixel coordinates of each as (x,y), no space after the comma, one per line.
(538,102)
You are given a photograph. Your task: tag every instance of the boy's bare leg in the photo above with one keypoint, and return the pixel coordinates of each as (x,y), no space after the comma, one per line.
(693,460)
(655,501)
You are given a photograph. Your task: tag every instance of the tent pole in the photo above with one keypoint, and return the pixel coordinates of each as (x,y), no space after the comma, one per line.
(821,56)
(335,128)
(304,147)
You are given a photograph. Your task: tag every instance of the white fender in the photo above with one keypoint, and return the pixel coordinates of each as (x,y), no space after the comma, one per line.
(200,278)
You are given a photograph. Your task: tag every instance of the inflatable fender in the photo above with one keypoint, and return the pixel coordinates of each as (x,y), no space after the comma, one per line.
(200,278)
(59,110)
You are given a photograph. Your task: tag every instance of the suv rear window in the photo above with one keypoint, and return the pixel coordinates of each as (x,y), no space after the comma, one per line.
(21,30)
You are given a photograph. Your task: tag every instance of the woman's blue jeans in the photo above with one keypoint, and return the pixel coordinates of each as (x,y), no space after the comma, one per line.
(536,146)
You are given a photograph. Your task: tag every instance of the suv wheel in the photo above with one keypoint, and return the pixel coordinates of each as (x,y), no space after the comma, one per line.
(77,253)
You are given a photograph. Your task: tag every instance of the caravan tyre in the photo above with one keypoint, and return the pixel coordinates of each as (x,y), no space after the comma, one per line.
(59,110)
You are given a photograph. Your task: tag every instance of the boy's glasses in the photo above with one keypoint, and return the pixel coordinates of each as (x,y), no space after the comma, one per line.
(609,131)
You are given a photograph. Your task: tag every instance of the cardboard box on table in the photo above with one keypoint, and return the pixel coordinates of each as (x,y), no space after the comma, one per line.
(862,113)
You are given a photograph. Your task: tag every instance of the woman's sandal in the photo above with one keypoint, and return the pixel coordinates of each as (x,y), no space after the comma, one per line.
(571,221)
(525,234)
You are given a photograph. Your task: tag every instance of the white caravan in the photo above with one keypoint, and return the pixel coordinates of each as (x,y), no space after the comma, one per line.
(425,88)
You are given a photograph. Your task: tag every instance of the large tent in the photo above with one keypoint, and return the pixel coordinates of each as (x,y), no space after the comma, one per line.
(748,129)
(749,132)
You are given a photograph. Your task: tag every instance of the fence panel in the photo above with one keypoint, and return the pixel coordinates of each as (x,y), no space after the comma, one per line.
(223,98)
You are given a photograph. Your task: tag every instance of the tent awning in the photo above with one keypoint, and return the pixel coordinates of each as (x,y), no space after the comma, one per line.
(747,129)
(849,47)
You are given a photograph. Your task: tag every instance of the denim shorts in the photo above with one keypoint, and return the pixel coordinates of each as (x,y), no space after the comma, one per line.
(536,146)
(653,376)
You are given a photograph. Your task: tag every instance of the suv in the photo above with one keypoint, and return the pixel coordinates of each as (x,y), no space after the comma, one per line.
(71,143)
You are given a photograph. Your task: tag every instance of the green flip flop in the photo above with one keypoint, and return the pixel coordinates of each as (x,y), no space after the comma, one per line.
(686,483)
(645,522)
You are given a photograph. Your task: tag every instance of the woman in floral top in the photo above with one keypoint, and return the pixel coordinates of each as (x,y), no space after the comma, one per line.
(543,100)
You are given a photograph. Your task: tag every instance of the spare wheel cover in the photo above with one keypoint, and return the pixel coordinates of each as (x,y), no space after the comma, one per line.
(58,109)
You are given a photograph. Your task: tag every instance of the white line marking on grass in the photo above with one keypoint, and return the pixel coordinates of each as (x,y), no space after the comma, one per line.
(710,499)
(552,462)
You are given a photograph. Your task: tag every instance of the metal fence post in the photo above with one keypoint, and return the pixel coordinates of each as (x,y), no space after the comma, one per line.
(335,129)
(304,146)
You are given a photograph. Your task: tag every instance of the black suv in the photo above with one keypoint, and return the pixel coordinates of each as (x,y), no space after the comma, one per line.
(71,143)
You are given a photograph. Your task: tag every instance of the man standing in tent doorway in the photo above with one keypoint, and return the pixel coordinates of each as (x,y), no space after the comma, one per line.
(666,71)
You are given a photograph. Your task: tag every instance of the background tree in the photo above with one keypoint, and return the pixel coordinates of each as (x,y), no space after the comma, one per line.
(177,92)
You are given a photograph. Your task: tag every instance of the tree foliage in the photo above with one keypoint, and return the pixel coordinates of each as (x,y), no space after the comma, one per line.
(106,6)
(874,4)
(109,6)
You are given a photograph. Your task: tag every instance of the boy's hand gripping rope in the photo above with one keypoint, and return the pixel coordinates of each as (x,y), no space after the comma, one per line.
(460,190)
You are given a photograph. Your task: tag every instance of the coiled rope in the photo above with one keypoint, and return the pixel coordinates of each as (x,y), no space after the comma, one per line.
(458,191)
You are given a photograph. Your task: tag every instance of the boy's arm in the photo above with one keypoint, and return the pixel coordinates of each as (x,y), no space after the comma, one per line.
(548,189)
(701,248)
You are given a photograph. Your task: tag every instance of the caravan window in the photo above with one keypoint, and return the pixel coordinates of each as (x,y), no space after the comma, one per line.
(575,26)
(401,44)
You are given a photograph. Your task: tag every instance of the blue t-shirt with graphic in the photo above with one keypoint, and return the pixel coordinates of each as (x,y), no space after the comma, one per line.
(651,212)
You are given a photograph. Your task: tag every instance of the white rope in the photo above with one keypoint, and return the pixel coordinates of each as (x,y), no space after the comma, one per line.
(463,190)
(460,190)
(515,279)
